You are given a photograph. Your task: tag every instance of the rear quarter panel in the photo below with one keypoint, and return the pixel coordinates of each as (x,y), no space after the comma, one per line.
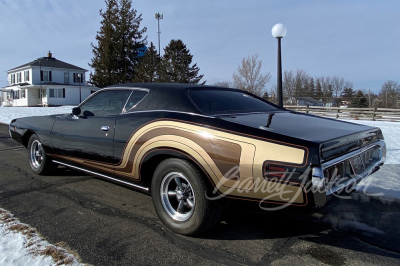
(233,157)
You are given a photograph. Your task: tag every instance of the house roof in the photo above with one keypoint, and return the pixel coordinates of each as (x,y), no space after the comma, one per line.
(309,99)
(335,101)
(48,61)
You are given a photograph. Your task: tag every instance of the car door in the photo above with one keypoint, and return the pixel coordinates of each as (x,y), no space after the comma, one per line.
(86,140)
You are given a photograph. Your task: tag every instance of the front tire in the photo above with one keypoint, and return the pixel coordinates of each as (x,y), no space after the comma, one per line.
(40,163)
(179,198)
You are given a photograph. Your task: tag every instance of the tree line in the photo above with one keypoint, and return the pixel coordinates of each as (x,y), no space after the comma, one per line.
(296,84)
(121,54)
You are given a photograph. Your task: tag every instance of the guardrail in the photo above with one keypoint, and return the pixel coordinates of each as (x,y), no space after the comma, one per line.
(376,114)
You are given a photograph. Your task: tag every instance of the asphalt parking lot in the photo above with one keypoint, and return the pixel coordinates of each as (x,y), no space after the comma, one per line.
(107,224)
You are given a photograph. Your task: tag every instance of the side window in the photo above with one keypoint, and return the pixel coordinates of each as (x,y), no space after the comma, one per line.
(105,103)
(136,97)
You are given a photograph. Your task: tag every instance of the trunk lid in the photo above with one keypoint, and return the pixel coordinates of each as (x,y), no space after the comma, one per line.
(335,137)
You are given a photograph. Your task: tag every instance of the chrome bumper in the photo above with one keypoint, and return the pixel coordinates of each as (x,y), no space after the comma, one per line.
(323,188)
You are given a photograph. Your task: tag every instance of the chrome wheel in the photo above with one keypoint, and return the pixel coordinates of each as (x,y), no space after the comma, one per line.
(36,154)
(177,196)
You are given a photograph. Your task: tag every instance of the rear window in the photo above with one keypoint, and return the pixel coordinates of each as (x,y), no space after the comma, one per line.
(216,101)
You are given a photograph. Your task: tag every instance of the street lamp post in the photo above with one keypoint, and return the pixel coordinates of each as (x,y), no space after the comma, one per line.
(279,31)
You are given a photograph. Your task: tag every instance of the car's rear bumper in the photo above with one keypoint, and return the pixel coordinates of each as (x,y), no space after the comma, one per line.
(368,160)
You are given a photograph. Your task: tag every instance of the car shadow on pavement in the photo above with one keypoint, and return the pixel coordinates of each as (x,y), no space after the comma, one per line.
(362,223)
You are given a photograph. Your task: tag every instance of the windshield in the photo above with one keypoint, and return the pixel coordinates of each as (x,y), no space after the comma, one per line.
(213,102)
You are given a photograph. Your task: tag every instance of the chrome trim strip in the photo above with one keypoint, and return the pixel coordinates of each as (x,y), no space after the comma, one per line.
(317,177)
(127,99)
(9,131)
(104,176)
(169,111)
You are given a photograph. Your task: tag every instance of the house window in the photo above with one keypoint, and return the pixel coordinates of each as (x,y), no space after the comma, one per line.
(45,75)
(23,94)
(15,94)
(12,78)
(26,75)
(78,77)
(19,77)
(57,93)
(66,78)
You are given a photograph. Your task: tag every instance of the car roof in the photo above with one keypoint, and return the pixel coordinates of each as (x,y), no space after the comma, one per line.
(166,96)
(165,86)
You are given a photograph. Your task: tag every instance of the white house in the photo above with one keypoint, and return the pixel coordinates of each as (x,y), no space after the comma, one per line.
(309,101)
(45,81)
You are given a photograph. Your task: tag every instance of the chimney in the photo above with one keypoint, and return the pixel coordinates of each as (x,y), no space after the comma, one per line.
(49,55)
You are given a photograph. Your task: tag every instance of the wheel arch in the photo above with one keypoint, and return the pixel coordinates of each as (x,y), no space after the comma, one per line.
(154,157)
(26,136)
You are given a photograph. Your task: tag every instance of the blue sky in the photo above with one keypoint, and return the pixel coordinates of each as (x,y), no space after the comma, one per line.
(357,40)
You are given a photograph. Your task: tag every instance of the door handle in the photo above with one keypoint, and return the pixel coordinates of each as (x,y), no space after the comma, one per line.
(105,128)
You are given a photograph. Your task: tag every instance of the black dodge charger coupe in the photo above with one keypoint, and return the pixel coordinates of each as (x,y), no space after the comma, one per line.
(190,145)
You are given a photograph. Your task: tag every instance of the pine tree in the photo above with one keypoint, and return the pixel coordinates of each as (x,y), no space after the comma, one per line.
(104,53)
(359,101)
(130,38)
(175,66)
(146,70)
(318,90)
(311,88)
(119,38)
(348,94)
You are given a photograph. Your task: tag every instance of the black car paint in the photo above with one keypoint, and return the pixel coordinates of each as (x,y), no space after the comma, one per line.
(83,137)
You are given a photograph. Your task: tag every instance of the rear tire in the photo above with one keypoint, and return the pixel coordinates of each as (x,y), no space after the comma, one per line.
(39,161)
(179,198)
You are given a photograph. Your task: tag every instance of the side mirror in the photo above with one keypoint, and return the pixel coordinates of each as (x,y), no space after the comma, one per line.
(76,111)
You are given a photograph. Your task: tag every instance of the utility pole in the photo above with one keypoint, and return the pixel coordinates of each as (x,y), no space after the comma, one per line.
(159,16)
(386,99)
(369,98)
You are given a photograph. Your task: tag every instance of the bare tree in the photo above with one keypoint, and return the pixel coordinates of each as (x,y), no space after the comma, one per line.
(389,94)
(289,87)
(249,77)
(295,85)
(338,85)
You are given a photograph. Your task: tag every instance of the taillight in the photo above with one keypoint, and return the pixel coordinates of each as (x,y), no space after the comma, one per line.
(275,171)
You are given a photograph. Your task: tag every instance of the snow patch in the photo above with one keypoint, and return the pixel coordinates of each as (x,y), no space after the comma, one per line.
(9,113)
(20,244)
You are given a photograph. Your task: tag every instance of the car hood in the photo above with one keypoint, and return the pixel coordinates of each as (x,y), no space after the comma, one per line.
(298,125)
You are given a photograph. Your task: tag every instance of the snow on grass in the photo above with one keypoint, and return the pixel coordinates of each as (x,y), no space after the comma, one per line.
(391,131)
(9,113)
(20,244)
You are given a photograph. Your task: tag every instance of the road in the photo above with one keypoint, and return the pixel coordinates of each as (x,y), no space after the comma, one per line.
(107,224)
